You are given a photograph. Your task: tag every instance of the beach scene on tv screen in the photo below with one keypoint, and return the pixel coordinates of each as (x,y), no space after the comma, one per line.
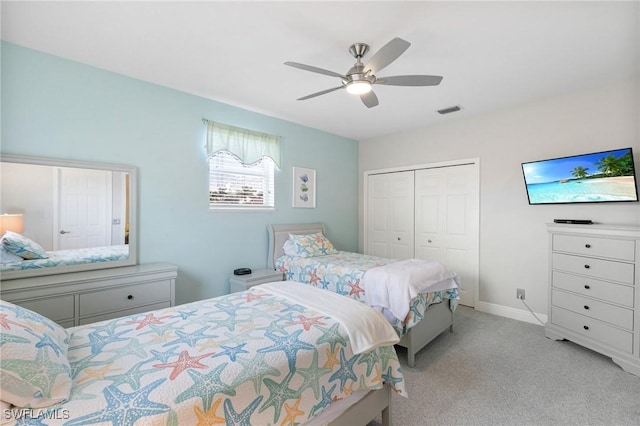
(602,176)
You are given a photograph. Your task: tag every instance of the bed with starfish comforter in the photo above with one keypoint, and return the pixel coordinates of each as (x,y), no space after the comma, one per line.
(418,297)
(264,356)
(343,273)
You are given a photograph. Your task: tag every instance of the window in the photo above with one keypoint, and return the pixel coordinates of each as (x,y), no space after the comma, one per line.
(233,184)
(242,165)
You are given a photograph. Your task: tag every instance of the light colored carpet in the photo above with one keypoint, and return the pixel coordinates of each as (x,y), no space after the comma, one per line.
(496,371)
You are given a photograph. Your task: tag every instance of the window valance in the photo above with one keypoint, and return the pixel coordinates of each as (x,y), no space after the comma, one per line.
(249,146)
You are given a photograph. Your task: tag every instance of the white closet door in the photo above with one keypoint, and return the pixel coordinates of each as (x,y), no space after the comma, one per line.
(390,208)
(447,222)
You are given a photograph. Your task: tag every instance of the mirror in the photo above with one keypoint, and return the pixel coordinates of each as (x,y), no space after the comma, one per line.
(83,215)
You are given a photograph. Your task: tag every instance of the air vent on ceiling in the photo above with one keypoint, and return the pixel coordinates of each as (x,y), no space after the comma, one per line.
(449,110)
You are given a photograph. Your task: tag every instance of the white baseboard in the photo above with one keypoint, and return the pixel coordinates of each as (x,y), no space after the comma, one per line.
(513,313)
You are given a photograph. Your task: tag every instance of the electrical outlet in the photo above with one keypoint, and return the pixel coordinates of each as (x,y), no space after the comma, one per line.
(520,293)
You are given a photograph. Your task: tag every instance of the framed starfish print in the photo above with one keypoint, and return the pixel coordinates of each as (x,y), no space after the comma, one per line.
(304,187)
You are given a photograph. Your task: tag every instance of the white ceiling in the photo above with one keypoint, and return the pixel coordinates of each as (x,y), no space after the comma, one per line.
(492,55)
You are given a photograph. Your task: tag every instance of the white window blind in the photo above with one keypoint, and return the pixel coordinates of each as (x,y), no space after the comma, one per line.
(236,185)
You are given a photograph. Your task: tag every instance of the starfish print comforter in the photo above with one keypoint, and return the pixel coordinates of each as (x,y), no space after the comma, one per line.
(246,358)
(343,273)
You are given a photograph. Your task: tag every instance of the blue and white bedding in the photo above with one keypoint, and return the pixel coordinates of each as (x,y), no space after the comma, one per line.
(70,257)
(344,273)
(251,358)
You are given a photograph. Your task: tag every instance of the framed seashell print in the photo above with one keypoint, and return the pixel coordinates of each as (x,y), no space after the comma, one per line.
(304,187)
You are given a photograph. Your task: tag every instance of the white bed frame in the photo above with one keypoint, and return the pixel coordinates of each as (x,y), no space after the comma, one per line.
(358,409)
(437,318)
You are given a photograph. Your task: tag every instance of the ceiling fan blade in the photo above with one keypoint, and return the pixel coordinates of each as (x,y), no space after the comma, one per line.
(313,95)
(369,99)
(387,54)
(314,69)
(410,80)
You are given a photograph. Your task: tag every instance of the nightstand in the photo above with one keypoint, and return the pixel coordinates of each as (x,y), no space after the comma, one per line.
(258,276)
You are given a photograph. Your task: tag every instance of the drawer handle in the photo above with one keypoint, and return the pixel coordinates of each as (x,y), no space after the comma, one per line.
(130,297)
(587,266)
(586,307)
(587,286)
(587,245)
(586,327)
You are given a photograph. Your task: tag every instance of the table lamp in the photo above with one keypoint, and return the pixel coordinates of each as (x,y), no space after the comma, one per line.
(11,222)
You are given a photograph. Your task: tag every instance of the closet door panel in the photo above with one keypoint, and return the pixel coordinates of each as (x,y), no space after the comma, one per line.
(446,222)
(390,212)
(378,226)
(430,214)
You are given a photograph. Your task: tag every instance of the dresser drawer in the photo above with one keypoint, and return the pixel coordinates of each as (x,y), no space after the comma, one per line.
(616,315)
(608,292)
(595,246)
(594,329)
(127,312)
(57,308)
(598,268)
(124,297)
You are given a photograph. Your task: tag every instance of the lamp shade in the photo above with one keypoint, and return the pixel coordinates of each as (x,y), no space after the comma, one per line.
(11,222)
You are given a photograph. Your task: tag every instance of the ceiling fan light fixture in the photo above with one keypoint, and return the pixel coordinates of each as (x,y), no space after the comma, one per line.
(358,87)
(360,77)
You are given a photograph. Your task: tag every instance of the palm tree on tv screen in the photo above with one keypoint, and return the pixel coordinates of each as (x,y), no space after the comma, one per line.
(626,164)
(579,172)
(609,165)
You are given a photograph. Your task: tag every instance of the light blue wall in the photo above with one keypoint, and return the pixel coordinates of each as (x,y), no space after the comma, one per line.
(52,107)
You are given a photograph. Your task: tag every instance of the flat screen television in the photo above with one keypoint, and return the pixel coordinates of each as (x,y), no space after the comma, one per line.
(599,177)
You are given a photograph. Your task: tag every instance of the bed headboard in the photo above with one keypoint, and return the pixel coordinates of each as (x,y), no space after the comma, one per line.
(278,234)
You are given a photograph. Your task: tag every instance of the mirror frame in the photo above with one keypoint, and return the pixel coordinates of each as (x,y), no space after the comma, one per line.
(133,215)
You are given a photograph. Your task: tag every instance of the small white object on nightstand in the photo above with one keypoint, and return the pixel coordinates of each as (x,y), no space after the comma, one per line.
(258,276)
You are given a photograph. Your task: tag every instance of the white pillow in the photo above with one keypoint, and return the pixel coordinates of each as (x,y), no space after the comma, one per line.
(290,248)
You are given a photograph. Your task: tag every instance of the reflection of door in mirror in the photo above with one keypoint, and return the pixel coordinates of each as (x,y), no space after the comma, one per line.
(67,208)
(91,208)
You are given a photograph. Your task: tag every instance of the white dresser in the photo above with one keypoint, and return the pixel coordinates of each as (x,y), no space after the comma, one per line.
(594,290)
(84,297)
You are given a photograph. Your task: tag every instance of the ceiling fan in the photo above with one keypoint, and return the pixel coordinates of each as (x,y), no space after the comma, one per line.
(359,79)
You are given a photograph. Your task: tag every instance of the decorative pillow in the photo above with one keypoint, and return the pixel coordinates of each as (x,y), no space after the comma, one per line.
(291,249)
(34,369)
(8,257)
(22,246)
(310,245)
